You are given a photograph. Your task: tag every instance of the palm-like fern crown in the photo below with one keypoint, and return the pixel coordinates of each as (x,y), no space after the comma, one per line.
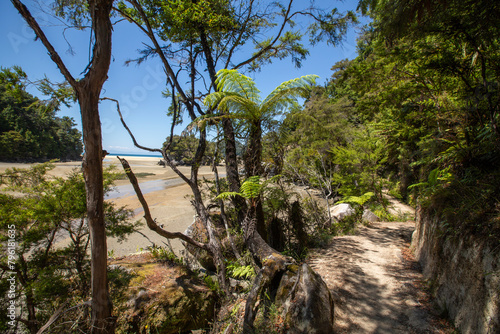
(239,95)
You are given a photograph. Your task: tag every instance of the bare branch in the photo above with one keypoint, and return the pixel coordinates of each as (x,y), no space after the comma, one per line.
(147,214)
(149,32)
(25,13)
(240,35)
(163,152)
(128,130)
(271,45)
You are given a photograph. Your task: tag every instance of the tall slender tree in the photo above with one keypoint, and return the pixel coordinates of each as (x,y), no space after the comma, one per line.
(238,97)
(88,90)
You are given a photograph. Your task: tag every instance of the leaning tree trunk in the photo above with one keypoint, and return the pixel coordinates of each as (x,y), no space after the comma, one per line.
(273,263)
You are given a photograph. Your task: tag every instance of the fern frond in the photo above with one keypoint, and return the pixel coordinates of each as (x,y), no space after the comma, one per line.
(226,195)
(286,93)
(235,82)
(359,200)
(251,187)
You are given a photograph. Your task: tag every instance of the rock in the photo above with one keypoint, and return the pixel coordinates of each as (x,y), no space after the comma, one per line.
(370,217)
(463,271)
(341,211)
(305,301)
(165,299)
(198,232)
(239,285)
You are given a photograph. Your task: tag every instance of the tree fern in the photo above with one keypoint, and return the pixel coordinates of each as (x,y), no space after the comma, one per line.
(239,95)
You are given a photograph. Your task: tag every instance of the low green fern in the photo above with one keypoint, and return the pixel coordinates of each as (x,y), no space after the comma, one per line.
(251,189)
(359,200)
(235,270)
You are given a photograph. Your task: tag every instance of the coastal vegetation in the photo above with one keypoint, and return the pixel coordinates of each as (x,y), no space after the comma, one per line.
(44,210)
(29,127)
(414,116)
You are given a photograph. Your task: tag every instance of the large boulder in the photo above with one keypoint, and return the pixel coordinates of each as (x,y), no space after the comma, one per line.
(165,299)
(341,211)
(305,300)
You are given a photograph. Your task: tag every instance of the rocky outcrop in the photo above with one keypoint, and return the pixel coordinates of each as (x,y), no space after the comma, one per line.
(305,301)
(464,272)
(344,210)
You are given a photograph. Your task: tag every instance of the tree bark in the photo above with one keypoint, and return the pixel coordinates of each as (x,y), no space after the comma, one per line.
(253,167)
(87,92)
(273,263)
(93,175)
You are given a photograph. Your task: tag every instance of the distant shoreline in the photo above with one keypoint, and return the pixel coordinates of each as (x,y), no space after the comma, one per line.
(134,155)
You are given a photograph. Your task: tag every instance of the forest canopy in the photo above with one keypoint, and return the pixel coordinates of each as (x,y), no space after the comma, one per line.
(415,114)
(29,127)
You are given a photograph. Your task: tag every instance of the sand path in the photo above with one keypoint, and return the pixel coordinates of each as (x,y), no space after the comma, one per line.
(377,286)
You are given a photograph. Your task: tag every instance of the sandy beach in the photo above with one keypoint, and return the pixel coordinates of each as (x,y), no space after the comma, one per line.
(167,195)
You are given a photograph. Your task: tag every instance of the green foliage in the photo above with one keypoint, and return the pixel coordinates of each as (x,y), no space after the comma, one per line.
(239,95)
(251,189)
(164,254)
(238,271)
(238,98)
(225,26)
(183,149)
(45,210)
(358,200)
(436,180)
(425,86)
(29,127)
(213,284)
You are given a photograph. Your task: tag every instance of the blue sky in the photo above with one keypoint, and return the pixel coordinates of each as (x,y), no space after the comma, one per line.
(138,88)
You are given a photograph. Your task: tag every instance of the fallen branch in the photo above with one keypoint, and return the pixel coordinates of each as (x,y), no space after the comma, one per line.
(147,214)
(58,313)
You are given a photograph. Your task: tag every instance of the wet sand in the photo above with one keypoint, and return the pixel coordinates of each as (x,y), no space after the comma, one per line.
(167,195)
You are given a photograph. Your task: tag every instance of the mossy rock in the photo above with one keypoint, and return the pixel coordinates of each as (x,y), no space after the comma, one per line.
(167,299)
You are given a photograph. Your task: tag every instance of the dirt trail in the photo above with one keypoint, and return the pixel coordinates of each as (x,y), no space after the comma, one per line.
(376,285)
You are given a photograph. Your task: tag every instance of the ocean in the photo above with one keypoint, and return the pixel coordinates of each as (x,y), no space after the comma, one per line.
(135,155)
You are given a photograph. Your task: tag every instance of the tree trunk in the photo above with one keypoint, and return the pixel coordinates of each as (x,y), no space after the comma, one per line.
(87,91)
(32,322)
(233,178)
(253,167)
(214,244)
(253,152)
(93,175)
(273,263)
